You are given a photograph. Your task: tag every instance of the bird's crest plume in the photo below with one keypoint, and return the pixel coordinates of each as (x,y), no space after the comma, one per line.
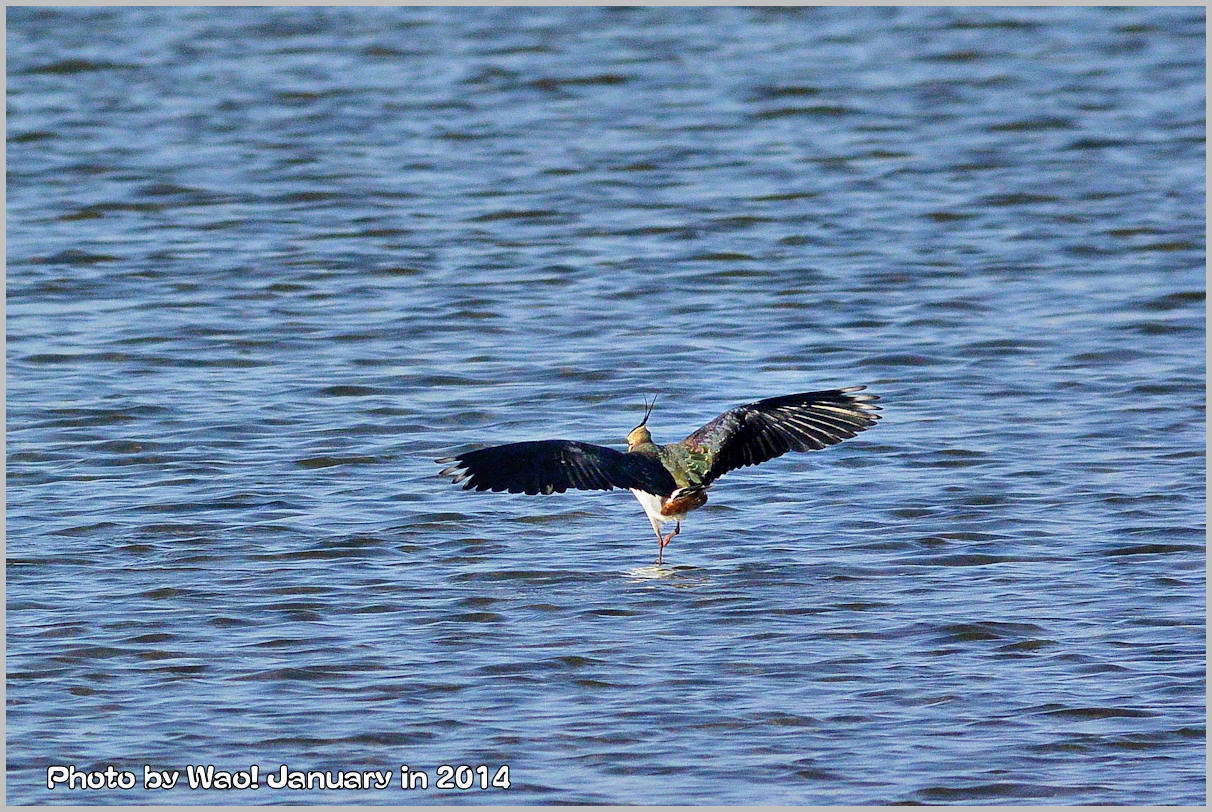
(647,411)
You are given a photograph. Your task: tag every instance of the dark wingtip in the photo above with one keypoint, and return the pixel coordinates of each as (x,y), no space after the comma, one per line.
(863,401)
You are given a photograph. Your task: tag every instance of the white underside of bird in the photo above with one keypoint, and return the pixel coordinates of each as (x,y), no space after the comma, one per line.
(652,505)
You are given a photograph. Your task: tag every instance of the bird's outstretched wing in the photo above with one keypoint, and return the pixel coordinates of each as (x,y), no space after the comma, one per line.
(769,428)
(554,466)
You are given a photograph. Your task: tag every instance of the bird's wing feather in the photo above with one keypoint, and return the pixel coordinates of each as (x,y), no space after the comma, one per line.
(554,466)
(756,432)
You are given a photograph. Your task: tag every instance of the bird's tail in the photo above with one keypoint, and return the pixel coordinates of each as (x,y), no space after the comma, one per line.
(684,500)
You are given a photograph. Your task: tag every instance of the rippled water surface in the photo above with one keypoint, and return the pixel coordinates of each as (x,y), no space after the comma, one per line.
(265,265)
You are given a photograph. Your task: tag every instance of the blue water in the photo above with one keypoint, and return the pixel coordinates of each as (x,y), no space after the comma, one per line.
(265,265)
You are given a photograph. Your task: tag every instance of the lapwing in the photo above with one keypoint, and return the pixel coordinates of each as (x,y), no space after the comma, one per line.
(671,480)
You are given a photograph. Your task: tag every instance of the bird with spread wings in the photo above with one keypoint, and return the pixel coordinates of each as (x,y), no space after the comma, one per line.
(671,480)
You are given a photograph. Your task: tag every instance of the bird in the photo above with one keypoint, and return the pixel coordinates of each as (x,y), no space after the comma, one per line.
(670,480)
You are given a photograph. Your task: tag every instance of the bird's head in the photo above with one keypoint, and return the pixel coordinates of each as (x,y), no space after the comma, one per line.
(640,435)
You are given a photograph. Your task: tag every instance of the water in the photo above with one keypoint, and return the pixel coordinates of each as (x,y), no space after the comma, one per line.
(265,265)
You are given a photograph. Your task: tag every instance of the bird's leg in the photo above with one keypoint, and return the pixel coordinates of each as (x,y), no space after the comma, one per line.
(666,539)
(656,528)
